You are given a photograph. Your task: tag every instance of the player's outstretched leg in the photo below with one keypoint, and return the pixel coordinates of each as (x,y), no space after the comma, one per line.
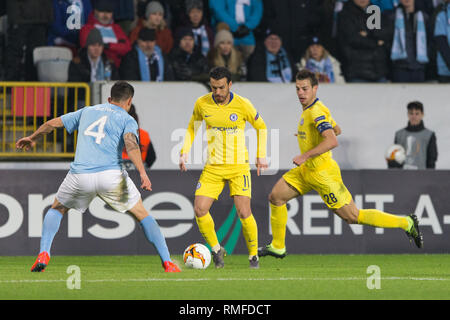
(413,231)
(380,219)
(50,227)
(154,235)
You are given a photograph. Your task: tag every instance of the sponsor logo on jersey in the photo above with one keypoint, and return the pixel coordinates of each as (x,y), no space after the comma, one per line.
(301,134)
(319,118)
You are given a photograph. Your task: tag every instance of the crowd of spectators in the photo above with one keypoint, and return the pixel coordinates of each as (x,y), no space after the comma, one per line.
(258,40)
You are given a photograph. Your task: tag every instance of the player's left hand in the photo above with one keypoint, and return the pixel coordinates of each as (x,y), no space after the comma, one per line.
(183,160)
(299,160)
(261,165)
(146,183)
(25,143)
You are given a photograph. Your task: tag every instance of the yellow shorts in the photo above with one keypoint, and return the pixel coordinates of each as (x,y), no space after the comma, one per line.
(326,180)
(213,178)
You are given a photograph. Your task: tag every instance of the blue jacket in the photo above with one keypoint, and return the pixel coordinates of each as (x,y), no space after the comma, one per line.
(59,29)
(224,11)
(384,4)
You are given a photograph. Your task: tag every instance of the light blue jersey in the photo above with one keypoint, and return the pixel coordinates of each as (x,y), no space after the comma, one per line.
(100,136)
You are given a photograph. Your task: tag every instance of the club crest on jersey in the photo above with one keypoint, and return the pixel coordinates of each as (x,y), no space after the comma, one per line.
(198,185)
(233,117)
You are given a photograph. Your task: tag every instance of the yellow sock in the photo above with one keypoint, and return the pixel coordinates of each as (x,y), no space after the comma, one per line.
(206,227)
(377,218)
(250,231)
(278,220)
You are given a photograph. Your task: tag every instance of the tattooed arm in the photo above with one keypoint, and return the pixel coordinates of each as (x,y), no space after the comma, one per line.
(134,153)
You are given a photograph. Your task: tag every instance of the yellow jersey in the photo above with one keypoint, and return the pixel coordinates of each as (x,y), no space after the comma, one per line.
(225,127)
(315,119)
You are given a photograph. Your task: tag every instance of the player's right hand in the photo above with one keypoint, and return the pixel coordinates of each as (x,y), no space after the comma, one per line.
(183,160)
(25,143)
(146,183)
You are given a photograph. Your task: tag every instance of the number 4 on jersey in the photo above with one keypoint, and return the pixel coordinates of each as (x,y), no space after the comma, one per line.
(99,134)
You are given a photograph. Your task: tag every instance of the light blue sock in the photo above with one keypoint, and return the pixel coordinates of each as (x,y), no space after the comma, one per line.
(50,226)
(155,236)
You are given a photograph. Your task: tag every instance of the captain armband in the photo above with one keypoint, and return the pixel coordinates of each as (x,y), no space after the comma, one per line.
(324,126)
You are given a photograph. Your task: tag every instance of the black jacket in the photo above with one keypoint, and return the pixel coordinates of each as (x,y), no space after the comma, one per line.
(362,57)
(257,65)
(296,20)
(410,62)
(187,67)
(80,71)
(29,11)
(441,43)
(130,70)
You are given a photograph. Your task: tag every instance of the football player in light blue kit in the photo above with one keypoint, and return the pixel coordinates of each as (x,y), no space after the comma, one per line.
(103,131)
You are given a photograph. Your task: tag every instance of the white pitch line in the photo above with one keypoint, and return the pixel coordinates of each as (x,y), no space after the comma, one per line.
(225,279)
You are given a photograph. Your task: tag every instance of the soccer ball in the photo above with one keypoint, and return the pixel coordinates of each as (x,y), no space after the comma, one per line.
(396,152)
(197,256)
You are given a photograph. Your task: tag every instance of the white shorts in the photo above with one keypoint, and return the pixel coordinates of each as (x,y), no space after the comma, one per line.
(113,186)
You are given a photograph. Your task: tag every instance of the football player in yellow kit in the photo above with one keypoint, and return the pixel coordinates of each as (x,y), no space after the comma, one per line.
(225,114)
(316,170)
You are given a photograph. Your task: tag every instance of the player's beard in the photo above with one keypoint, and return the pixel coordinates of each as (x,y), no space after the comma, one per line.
(221,99)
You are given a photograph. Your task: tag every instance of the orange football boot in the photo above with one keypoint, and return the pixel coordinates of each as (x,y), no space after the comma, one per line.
(41,262)
(169,266)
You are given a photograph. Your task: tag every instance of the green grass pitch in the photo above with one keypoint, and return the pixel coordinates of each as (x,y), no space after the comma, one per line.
(295,277)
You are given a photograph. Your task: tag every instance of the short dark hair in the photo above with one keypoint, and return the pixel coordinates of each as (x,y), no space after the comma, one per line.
(415,105)
(218,73)
(121,91)
(306,74)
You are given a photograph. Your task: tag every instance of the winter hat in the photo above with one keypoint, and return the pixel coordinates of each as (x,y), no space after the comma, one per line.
(183,32)
(104,6)
(193,4)
(315,40)
(153,7)
(94,37)
(221,36)
(273,31)
(147,34)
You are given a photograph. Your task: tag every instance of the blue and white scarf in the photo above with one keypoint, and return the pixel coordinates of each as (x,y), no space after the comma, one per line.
(278,68)
(442,28)
(97,69)
(200,33)
(337,8)
(145,62)
(323,66)
(107,33)
(398,51)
